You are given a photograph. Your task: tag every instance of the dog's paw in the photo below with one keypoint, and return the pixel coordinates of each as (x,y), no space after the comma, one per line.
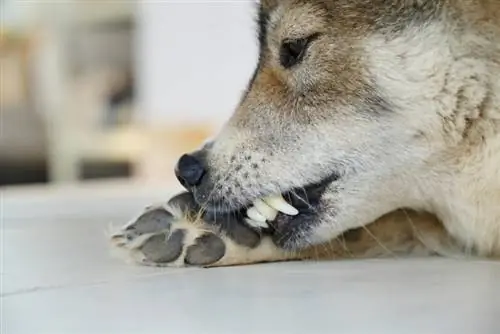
(180,234)
(159,237)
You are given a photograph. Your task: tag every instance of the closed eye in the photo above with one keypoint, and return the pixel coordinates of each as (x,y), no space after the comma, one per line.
(292,51)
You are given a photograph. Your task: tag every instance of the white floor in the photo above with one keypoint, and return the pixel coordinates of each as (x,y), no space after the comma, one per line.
(58,277)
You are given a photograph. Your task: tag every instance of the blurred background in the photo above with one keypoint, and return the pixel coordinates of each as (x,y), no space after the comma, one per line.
(98,90)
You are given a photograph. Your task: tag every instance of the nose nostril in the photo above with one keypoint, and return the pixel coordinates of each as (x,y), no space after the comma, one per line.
(189,171)
(182,181)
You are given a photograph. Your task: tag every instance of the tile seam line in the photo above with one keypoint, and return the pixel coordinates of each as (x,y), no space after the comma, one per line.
(36,289)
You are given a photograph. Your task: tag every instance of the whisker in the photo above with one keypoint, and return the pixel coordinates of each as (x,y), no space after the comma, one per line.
(305,201)
(377,240)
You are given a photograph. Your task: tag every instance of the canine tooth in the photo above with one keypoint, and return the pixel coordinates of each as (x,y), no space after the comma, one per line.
(265,210)
(255,223)
(254,214)
(279,203)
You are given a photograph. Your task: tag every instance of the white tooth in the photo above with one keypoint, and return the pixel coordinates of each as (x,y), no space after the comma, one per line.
(255,223)
(265,210)
(254,214)
(279,203)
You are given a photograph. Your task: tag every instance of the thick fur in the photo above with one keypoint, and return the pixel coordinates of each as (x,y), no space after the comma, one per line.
(399,98)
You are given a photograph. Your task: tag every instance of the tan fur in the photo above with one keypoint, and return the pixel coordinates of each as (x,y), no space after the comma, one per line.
(398,234)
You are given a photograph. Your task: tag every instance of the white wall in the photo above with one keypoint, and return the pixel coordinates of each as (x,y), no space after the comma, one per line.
(15,15)
(194,58)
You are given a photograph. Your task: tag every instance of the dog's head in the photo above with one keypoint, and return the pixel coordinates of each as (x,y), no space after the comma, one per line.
(350,103)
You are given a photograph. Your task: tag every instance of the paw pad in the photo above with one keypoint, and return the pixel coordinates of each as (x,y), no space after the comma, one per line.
(151,221)
(207,249)
(161,248)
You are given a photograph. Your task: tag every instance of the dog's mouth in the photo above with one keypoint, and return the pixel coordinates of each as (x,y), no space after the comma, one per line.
(270,211)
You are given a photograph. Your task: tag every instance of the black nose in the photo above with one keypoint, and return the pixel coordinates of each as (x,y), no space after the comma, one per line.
(189,171)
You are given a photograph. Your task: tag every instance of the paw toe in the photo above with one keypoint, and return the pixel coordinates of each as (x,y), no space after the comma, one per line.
(162,249)
(185,202)
(206,250)
(151,221)
(244,235)
(235,228)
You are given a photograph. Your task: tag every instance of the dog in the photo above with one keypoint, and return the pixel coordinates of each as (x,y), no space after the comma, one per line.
(369,128)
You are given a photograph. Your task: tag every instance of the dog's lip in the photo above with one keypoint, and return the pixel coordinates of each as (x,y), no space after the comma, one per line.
(304,198)
(308,196)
